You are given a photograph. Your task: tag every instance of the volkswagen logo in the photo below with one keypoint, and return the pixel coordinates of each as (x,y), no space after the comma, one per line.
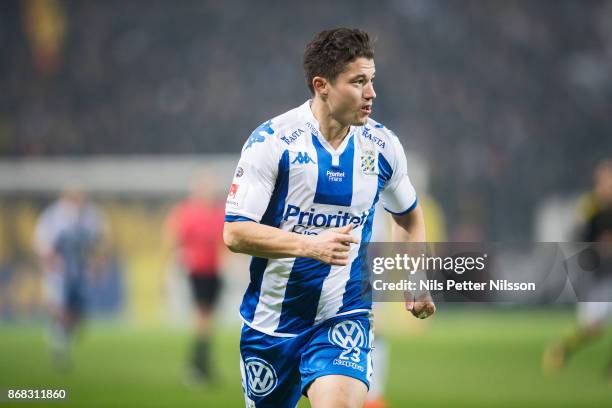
(261,377)
(347,334)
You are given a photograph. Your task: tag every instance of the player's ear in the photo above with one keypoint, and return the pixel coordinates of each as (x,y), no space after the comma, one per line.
(320,86)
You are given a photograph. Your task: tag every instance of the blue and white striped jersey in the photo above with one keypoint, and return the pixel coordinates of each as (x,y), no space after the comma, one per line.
(71,232)
(291,178)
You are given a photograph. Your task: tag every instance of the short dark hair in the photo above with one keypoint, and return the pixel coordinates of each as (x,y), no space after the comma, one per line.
(330,51)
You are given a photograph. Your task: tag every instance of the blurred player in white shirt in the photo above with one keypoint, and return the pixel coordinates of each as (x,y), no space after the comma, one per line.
(69,240)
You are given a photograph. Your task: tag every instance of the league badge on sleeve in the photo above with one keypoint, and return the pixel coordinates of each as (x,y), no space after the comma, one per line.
(233,190)
(369,162)
(236,194)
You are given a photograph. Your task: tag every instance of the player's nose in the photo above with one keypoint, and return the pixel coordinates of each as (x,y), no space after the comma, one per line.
(368,91)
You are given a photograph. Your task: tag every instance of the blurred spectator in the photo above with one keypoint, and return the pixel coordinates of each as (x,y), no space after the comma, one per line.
(45,27)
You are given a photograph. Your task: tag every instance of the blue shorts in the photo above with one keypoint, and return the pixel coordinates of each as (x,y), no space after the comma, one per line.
(66,292)
(276,371)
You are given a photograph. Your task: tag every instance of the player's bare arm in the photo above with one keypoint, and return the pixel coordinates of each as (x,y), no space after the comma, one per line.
(410,227)
(331,246)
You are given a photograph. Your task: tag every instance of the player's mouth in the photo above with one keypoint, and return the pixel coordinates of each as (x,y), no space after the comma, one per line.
(366,109)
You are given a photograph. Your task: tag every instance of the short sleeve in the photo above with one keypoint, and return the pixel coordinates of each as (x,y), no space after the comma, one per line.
(43,235)
(398,196)
(96,221)
(254,178)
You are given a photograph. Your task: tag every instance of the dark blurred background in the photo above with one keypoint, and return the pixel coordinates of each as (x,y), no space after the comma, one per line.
(504,109)
(508,101)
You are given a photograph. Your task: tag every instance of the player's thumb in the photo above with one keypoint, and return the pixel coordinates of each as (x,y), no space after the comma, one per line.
(346,229)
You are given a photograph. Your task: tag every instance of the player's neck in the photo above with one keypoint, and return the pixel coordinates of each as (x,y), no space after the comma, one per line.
(333,131)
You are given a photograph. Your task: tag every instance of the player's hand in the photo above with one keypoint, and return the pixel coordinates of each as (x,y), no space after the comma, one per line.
(423,307)
(332,246)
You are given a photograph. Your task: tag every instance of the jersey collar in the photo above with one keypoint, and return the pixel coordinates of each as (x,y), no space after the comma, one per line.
(313,124)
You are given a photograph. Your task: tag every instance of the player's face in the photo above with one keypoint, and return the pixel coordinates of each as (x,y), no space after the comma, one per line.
(352,93)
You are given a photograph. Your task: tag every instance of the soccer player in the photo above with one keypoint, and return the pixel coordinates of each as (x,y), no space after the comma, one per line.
(195,228)
(595,311)
(70,241)
(302,204)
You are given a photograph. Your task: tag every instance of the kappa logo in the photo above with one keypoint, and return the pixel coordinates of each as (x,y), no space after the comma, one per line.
(348,335)
(261,376)
(303,158)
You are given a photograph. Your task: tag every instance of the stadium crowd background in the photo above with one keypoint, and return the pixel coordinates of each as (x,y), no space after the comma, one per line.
(508,103)
(512,99)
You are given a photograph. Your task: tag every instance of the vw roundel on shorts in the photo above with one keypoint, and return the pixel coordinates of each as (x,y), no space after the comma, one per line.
(276,371)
